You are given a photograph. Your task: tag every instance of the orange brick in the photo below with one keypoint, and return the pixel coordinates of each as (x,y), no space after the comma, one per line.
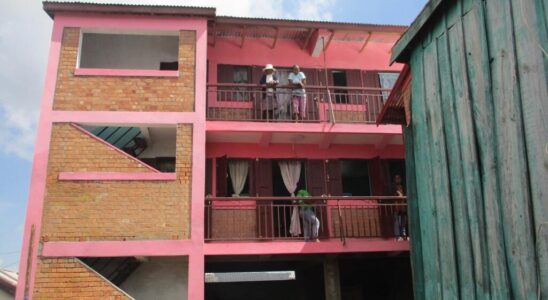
(125,93)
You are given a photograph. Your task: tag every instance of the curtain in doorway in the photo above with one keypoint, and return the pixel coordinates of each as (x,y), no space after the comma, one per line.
(238,169)
(291,172)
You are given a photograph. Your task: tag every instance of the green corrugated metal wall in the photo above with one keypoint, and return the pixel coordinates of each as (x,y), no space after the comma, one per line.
(477,151)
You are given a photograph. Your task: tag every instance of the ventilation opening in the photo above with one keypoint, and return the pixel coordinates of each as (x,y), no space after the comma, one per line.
(150,51)
(154,146)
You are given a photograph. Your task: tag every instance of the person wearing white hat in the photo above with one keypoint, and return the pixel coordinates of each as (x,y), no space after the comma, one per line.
(268,81)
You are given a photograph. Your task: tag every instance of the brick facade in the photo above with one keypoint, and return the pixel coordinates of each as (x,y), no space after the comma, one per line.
(68,278)
(111,93)
(113,210)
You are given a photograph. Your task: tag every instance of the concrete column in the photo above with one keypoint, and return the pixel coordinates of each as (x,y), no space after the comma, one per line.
(331,278)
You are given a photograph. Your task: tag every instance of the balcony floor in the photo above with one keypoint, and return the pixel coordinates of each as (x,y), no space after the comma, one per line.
(301,247)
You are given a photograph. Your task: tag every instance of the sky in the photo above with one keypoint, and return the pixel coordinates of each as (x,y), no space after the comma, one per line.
(25,31)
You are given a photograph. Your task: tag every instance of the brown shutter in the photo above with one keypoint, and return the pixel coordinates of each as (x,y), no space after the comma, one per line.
(225,74)
(353,78)
(311,76)
(376,177)
(208,176)
(315,177)
(256,74)
(263,177)
(334,181)
(371,80)
(263,188)
(221,176)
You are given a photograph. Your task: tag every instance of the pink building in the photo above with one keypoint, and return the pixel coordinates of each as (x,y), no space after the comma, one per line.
(163,170)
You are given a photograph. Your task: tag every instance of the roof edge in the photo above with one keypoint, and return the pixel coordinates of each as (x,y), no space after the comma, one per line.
(310,24)
(399,51)
(52,7)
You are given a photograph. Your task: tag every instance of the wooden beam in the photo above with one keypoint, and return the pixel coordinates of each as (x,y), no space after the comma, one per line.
(214,34)
(265,139)
(275,37)
(243,36)
(326,141)
(308,37)
(366,41)
(329,41)
(383,142)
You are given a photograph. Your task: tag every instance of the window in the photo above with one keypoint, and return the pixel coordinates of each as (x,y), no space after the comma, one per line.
(136,51)
(154,146)
(355,177)
(387,82)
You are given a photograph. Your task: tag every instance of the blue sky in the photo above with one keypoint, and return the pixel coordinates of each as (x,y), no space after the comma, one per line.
(24,35)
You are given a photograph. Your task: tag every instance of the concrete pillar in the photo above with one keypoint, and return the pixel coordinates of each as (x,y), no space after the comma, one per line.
(331,278)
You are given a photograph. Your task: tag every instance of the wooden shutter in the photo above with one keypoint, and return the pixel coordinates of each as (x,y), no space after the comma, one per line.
(221,176)
(225,73)
(312,76)
(256,74)
(208,176)
(376,175)
(353,78)
(315,177)
(334,181)
(263,188)
(371,80)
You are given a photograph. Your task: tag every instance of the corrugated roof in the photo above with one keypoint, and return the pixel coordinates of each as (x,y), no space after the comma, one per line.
(52,7)
(399,51)
(8,281)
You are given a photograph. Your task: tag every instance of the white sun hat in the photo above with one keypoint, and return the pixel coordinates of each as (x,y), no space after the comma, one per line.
(269,67)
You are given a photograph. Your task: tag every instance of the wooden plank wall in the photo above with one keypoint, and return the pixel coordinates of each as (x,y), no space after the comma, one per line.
(477,152)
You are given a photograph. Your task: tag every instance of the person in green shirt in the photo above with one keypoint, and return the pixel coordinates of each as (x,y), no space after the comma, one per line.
(311,224)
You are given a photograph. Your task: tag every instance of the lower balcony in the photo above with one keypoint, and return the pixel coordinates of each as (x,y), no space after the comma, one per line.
(321,218)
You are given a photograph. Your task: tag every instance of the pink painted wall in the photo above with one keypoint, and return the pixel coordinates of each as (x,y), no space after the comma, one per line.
(194,249)
(307,151)
(340,54)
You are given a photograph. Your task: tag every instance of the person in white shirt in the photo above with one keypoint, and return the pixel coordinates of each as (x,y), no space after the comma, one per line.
(297,81)
(268,81)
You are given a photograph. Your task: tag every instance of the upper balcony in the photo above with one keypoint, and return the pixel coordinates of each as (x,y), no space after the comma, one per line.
(335,104)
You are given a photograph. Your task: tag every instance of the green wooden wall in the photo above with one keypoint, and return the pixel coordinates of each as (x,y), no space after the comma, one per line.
(477,151)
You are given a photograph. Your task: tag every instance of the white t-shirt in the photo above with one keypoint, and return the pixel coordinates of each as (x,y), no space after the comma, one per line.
(269,79)
(297,78)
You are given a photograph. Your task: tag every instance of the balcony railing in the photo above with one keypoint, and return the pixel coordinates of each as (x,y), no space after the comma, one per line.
(270,218)
(246,102)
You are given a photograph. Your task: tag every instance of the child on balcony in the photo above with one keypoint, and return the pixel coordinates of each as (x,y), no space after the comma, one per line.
(311,224)
(297,81)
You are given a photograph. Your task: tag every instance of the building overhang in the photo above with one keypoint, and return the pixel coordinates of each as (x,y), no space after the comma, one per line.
(53,7)
(396,109)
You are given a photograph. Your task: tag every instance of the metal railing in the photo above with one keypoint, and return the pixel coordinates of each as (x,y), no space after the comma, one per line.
(272,218)
(248,102)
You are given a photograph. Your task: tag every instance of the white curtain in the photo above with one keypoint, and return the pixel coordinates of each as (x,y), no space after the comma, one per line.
(238,169)
(291,172)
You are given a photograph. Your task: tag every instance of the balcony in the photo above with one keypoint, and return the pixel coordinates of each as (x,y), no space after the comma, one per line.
(270,218)
(335,104)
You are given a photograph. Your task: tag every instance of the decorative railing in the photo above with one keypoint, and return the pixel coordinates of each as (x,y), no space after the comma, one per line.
(272,218)
(248,102)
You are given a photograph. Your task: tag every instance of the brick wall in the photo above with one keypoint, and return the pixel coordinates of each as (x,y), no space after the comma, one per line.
(113,210)
(68,278)
(233,224)
(124,93)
